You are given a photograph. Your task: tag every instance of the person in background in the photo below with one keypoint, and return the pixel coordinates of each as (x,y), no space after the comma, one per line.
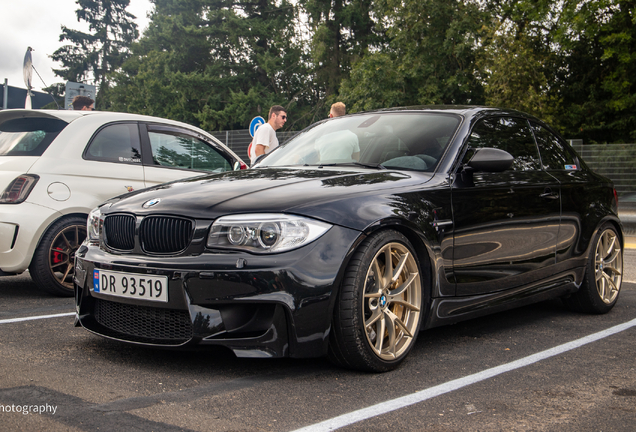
(265,137)
(338,109)
(341,145)
(83,103)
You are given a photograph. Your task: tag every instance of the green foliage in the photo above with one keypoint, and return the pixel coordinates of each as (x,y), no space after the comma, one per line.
(216,63)
(376,82)
(599,90)
(569,62)
(518,63)
(57,94)
(94,55)
(342,31)
(219,63)
(429,57)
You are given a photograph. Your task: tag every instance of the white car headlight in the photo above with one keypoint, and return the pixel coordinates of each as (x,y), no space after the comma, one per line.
(94,224)
(264,233)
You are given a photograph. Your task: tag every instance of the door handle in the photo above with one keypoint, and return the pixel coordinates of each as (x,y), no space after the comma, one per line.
(548,194)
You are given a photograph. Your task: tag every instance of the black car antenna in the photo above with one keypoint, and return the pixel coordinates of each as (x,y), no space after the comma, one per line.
(45,86)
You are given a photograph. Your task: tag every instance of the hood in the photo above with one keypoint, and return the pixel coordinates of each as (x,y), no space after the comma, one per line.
(300,191)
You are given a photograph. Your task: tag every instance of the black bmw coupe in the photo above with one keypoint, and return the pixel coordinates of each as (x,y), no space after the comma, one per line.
(354,236)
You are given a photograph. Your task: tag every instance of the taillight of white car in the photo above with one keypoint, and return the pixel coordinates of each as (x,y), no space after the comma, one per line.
(19,189)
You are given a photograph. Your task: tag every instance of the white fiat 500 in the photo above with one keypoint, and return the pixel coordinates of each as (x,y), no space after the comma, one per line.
(55,166)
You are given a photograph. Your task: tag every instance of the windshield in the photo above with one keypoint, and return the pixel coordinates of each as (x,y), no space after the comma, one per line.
(412,141)
(28,136)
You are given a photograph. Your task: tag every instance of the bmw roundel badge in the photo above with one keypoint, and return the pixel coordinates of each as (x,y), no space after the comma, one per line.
(383,301)
(151,203)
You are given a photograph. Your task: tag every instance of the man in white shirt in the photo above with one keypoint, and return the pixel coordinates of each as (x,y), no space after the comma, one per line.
(265,137)
(339,145)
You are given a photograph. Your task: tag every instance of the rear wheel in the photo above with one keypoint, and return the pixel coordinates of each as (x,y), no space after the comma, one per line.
(52,267)
(603,275)
(378,311)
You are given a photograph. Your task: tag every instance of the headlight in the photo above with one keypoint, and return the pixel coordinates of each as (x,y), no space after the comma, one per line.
(94,224)
(264,233)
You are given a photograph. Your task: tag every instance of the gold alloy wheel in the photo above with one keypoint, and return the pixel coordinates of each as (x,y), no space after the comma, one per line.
(392,299)
(62,253)
(608,266)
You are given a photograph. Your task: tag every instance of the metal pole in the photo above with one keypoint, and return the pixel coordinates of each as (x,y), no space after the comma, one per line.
(5,102)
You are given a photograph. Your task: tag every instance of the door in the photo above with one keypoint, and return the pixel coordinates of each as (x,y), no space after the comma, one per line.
(111,166)
(506,224)
(576,189)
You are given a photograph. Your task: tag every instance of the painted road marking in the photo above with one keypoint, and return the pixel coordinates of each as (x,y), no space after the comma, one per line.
(14,320)
(422,395)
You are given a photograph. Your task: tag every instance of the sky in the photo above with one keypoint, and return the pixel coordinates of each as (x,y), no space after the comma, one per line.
(38,24)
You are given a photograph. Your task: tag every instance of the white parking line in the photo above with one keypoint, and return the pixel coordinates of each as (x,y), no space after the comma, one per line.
(422,395)
(14,320)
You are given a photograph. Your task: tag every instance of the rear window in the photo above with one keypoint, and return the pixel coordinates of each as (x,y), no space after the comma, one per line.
(28,136)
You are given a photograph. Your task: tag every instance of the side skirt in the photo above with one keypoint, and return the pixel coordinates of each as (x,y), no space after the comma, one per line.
(455,309)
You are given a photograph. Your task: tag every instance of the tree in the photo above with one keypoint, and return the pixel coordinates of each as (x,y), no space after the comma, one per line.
(569,62)
(429,57)
(94,55)
(342,31)
(599,91)
(217,63)
(56,91)
(164,74)
(519,62)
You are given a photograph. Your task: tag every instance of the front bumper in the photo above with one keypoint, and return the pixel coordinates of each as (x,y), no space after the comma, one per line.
(258,306)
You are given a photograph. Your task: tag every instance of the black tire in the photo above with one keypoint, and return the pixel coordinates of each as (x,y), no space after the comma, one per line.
(603,275)
(52,266)
(366,304)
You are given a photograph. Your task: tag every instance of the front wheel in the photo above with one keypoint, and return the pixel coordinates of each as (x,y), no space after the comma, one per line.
(52,267)
(603,275)
(378,313)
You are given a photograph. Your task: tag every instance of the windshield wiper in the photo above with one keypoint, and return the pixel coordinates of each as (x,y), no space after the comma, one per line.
(362,164)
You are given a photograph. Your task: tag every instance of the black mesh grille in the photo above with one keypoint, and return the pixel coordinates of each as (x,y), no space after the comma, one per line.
(119,231)
(143,323)
(160,234)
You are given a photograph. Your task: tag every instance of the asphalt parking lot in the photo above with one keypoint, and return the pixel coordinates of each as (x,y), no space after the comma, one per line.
(538,368)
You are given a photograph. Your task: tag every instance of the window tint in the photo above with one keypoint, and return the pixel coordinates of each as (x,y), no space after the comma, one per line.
(555,154)
(116,143)
(176,150)
(28,136)
(506,133)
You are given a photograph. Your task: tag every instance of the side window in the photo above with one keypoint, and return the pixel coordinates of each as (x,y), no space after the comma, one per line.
(116,143)
(506,133)
(555,154)
(172,149)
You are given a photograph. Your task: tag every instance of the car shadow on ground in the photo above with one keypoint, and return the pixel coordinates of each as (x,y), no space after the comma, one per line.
(20,287)
(491,329)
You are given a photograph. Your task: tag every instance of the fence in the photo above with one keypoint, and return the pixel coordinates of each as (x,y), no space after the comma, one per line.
(615,161)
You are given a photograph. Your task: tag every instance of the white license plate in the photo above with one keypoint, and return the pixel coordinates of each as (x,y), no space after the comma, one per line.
(131,285)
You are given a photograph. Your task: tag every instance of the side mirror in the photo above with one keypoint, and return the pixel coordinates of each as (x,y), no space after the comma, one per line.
(237,166)
(490,160)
